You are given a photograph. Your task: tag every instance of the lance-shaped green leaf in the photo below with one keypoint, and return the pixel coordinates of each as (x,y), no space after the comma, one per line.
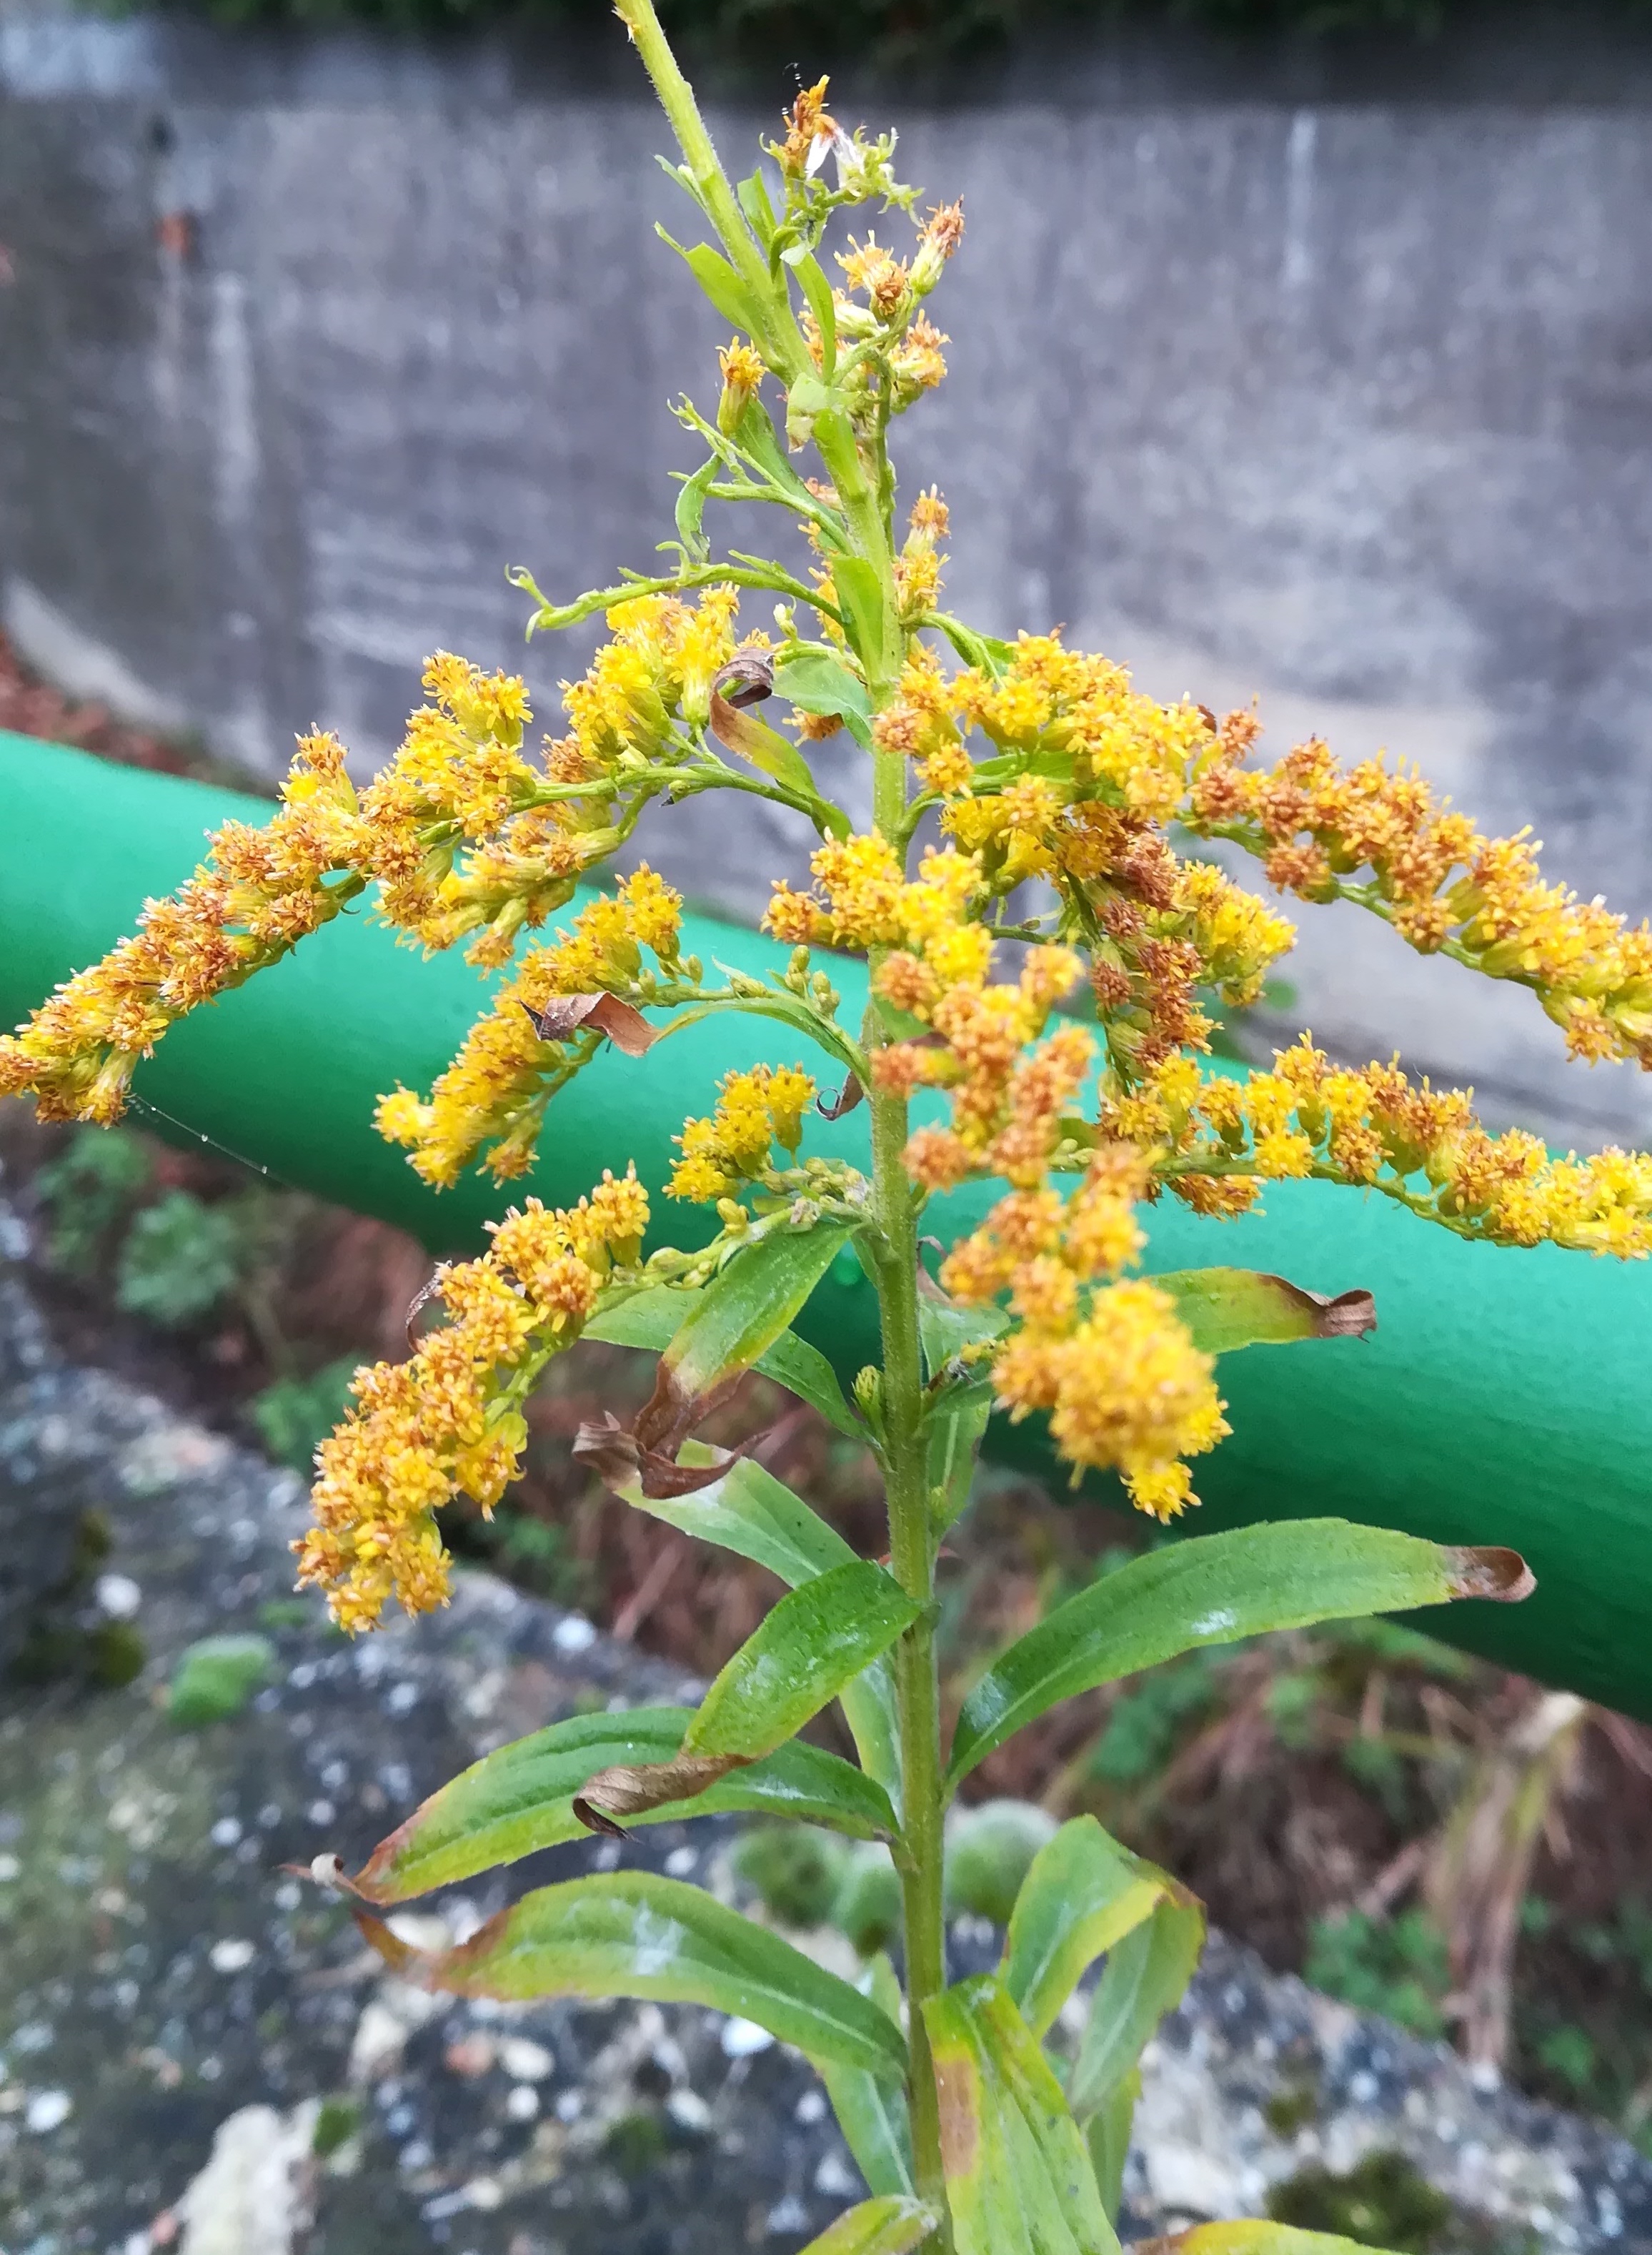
(1210,1589)
(954,1428)
(691,509)
(652,1319)
(817,1640)
(729,295)
(1083,1892)
(755,435)
(632,1934)
(764,747)
(1107,2134)
(748,1511)
(959,1404)
(753,199)
(815,680)
(818,291)
(746,1307)
(729,1326)
(872,2110)
(520,1798)
(1019,2174)
(877,2227)
(860,598)
(1146,1974)
(946,1328)
(1254,2237)
(1228,1308)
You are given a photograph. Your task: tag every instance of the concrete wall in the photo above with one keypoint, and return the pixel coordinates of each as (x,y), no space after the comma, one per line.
(1320,376)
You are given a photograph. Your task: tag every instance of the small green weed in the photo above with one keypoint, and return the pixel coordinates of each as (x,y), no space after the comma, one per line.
(181,1259)
(89,1191)
(296,1415)
(1396,1967)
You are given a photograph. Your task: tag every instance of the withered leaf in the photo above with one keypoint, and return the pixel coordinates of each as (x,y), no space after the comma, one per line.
(632,1790)
(746,679)
(1489,1571)
(626,1027)
(1340,1315)
(425,1294)
(617,1457)
(847,1098)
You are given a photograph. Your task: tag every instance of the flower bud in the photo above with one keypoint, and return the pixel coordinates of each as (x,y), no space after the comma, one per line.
(940,238)
(742,367)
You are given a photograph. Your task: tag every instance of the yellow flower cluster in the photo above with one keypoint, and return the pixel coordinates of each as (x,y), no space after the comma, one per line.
(754,1111)
(448,1421)
(917,567)
(1087,770)
(495,1090)
(460,780)
(1124,1383)
(1221,1139)
(661,662)
(1110,1362)
(1438,880)
(1073,713)
(258,893)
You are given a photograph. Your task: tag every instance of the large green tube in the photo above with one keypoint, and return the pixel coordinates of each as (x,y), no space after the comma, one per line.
(1504,1399)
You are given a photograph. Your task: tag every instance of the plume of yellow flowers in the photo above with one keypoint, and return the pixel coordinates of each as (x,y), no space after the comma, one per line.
(258,892)
(755,1110)
(1441,884)
(448,1422)
(1035,763)
(1221,1140)
(494,1093)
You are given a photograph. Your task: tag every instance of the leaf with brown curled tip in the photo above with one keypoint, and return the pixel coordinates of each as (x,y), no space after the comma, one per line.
(1489,1571)
(619,1455)
(1225,1309)
(747,679)
(724,1329)
(631,1934)
(632,1790)
(847,1098)
(1215,1589)
(565,1013)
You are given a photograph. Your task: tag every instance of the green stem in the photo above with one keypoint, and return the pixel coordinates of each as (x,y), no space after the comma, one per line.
(782,339)
(911,1556)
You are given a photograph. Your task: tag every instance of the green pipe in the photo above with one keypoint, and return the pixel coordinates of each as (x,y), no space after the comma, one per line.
(1504,1399)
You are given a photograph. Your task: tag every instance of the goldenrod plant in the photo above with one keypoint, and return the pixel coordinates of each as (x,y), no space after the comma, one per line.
(992,763)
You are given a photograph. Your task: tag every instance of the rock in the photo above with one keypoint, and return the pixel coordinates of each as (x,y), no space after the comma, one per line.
(184,2027)
(253,2196)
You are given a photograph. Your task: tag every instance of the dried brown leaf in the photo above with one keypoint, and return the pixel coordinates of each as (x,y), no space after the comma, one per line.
(1487,1570)
(632,1790)
(625,1026)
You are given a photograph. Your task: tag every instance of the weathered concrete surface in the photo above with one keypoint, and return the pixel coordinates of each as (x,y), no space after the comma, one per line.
(196,2052)
(1320,374)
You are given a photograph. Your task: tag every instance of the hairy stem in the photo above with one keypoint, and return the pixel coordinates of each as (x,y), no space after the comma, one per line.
(781,339)
(912,1555)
